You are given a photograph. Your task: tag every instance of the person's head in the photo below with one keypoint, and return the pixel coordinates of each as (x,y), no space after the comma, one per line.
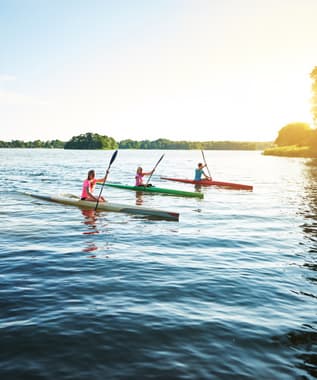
(91,174)
(139,170)
(200,165)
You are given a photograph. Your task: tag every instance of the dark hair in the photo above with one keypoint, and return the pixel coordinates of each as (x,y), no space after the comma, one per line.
(91,173)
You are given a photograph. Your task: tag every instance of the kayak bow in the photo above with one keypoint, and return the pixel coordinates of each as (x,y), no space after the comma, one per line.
(73,200)
(208,182)
(154,189)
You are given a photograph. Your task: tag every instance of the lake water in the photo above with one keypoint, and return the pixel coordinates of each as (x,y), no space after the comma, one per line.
(228,292)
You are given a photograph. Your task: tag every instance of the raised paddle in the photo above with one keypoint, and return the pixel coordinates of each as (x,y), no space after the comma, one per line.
(147,182)
(202,152)
(110,163)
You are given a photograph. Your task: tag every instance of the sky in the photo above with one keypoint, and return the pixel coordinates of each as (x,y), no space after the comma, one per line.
(197,70)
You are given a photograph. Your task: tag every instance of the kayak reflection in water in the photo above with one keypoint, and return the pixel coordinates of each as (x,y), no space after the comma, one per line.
(199,172)
(89,186)
(139,177)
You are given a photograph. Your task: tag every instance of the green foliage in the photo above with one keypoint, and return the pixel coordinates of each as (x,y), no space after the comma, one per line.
(91,141)
(295,140)
(165,144)
(313,76)
(129,144)
(291,151)
(32,144)
(294,134)
(95,141)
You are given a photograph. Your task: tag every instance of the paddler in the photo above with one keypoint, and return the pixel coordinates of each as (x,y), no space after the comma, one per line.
(89,186)
(199,172)
(139,177)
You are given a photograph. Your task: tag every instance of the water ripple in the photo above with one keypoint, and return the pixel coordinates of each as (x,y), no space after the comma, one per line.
(227,292)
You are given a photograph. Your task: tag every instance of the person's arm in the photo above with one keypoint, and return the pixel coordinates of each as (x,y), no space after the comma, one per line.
(205,175)
(101,180)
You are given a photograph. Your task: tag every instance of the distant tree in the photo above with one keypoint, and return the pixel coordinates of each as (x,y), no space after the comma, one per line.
(4,144)
(18,144)
(129,144)
(54,144)
(313,76)
(38,144)
(91,141)
(294,134)
(57,144)
(145,144)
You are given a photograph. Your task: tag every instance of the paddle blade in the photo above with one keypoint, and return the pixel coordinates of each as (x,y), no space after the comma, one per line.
(154,169)
(113,158)
(110,163)
(160,159)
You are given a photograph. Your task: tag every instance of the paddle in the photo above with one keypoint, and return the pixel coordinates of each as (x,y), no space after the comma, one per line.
(202,152)
(154,170)
(110,163)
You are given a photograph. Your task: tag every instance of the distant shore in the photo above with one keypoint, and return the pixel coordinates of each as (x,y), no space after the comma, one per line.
(95,141)
(291,151)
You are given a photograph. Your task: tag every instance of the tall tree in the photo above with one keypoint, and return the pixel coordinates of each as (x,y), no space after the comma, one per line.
(91,141)
(313,76)
(294,134)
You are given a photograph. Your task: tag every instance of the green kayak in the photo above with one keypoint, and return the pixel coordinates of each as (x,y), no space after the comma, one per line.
(154,189)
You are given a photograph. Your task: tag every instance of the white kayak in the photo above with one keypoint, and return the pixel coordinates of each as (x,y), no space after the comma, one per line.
(74,200)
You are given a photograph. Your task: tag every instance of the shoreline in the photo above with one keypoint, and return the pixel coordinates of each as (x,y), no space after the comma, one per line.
(291,151)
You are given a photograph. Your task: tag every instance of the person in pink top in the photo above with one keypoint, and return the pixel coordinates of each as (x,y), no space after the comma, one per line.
(89,186)
(139,176)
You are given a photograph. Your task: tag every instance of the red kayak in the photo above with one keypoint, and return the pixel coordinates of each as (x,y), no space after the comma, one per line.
(208,182)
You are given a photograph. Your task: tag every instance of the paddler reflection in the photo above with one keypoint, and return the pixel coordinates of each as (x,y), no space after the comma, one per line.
(90,218)
(139,198)
(90,221)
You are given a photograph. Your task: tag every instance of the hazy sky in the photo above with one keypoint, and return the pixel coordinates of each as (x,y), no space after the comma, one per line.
(145,69)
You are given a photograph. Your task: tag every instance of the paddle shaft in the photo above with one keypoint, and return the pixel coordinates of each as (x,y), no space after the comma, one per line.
(106,175)
(202,152)
(154,169)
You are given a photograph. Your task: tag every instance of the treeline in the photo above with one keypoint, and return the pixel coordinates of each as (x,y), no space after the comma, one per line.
(294,140)
(185,145)
(96,141)
(57,144)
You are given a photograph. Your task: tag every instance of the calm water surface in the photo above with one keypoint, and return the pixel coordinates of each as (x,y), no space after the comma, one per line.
(228,292)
